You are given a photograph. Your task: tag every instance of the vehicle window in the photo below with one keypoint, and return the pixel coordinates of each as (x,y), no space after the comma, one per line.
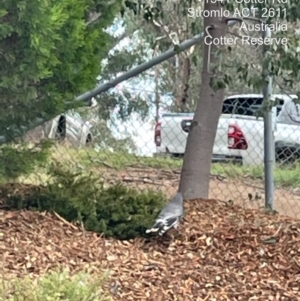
(242,106)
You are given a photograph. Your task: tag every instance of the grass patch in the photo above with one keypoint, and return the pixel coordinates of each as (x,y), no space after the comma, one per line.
(118,161)
(287,177)
(55,286)
(284,176)
(237,171)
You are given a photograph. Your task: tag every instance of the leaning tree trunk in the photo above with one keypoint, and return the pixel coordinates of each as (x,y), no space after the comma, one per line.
(198,154)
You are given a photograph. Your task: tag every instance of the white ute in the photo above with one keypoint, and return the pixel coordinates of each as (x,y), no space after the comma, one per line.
(246,138)
(172,130)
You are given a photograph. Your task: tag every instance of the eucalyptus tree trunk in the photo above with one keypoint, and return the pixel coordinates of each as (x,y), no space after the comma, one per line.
(198,154)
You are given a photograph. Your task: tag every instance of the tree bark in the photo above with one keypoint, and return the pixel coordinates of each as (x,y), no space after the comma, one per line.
(186,79)
(183,76)
(157,96)
(198,154)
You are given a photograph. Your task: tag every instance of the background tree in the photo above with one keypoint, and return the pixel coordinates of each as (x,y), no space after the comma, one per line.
(124,104)
(50,53)
(164,25)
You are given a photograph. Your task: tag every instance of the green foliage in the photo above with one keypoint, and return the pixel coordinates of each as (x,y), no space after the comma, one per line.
(56,286)
(280,59)
(17,160)
(118,61)
(116,211)
(50,52)
(124,213)
(161,27)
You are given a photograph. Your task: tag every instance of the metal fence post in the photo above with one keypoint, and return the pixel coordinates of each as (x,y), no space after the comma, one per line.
(268,132)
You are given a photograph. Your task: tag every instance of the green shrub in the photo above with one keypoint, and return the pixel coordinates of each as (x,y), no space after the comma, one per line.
(22,159)
(124,212)
(55,286)
(116,211)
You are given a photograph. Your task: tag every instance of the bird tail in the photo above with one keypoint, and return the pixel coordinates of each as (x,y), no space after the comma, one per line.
(159,224)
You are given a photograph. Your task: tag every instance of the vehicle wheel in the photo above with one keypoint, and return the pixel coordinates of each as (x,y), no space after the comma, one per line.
(61,129)
(177,156)
(88,140)
(287,155)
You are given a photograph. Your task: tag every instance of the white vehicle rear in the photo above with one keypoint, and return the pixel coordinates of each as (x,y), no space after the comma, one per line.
(246,138)
(172,130)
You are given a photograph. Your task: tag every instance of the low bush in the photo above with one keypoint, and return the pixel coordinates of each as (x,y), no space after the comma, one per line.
(115,211)
(22,159)
(55,286)
(124,212)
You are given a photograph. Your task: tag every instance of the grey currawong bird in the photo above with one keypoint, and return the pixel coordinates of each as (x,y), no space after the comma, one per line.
(170,215)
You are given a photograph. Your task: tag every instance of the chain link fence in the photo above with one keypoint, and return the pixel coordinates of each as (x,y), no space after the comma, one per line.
(145,150)
(143,153)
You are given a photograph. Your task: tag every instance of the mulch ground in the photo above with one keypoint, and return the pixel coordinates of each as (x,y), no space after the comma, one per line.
(222,252)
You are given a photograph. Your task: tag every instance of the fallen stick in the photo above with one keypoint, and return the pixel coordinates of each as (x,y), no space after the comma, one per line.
(152,182)
(141,180)
(132,179)
(64,221)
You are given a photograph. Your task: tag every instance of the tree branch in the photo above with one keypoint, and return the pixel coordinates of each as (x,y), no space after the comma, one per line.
(94,17)
(167,31)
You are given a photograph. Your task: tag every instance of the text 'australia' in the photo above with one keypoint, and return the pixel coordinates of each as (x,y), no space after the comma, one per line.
(263,27)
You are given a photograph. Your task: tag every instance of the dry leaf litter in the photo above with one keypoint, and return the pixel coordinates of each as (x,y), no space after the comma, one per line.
(221,252)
